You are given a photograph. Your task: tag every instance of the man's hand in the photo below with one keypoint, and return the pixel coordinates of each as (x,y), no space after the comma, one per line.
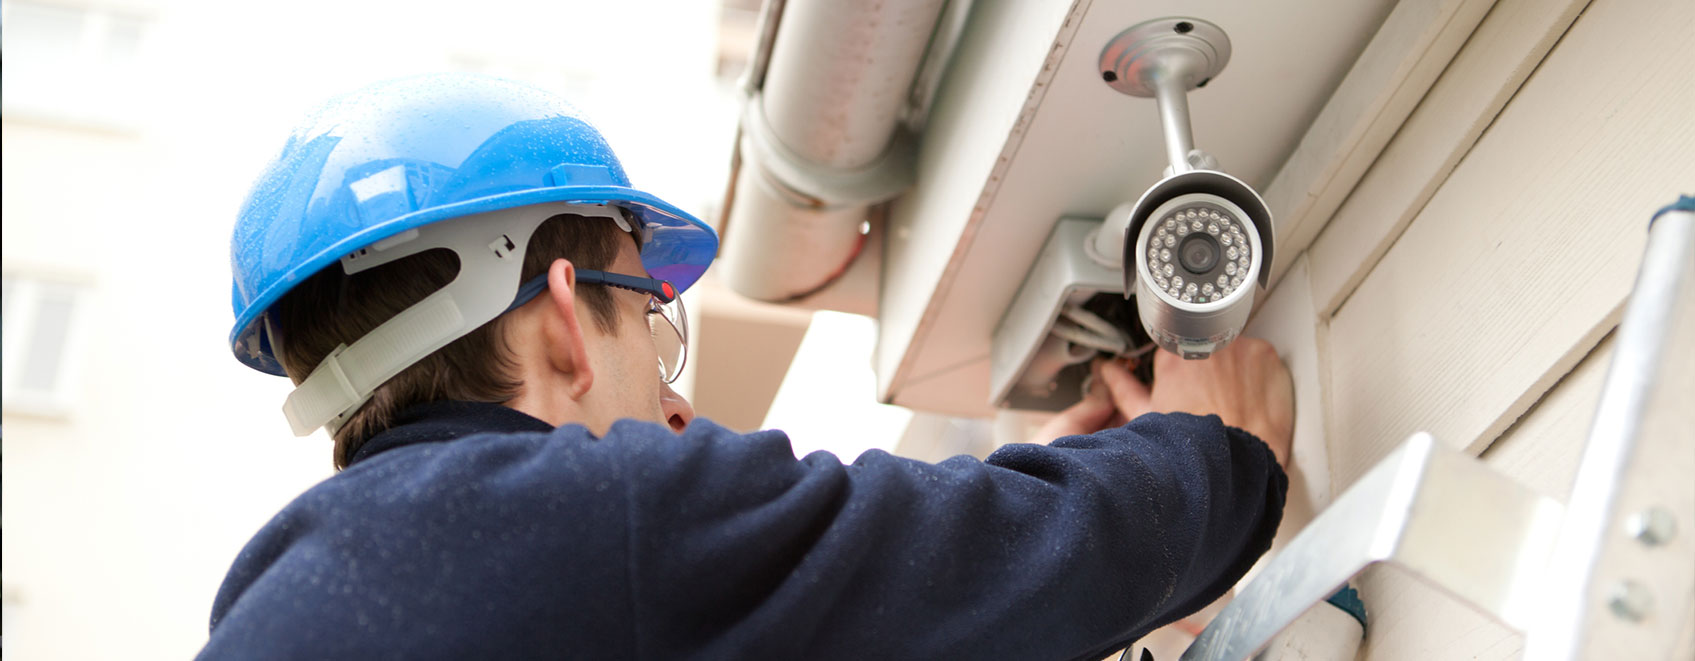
(1245,384)
(1111,401)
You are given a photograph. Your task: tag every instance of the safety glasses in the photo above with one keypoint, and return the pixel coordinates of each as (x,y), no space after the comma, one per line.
(670,331)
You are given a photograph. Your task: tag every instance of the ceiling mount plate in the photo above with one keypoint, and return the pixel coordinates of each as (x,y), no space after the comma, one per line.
(1194,49)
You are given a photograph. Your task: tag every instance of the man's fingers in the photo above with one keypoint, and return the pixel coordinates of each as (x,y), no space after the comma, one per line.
(1088,415)
(1128,394)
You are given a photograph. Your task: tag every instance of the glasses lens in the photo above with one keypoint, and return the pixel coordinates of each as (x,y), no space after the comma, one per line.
(670,325)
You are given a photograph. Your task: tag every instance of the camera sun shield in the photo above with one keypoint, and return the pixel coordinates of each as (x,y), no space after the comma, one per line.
(1200,245)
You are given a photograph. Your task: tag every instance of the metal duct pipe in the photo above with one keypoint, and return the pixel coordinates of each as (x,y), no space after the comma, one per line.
(821,141)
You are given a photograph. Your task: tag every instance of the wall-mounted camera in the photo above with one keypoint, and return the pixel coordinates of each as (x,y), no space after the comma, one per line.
(1195,246)
(1193,249)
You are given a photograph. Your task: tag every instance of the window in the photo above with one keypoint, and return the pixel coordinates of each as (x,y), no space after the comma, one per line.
(72,64)
(40,323)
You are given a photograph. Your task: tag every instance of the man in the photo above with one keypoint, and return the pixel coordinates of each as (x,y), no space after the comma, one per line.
(468,293)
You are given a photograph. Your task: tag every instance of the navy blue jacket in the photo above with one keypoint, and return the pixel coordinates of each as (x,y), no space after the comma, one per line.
(475,531)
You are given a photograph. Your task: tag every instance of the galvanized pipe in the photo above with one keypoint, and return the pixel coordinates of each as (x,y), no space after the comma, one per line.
(820,142)
(840,73)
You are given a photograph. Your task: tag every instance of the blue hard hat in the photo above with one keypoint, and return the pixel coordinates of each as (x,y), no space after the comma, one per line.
(399,155)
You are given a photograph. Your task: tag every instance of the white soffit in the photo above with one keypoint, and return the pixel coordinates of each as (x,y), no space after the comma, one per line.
(962,240)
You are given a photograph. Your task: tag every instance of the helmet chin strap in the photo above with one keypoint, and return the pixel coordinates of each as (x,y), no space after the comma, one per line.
(490,247)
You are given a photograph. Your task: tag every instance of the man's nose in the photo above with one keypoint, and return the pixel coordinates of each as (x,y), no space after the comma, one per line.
(678,412)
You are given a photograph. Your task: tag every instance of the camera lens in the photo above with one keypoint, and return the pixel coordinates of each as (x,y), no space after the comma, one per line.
(1198,253)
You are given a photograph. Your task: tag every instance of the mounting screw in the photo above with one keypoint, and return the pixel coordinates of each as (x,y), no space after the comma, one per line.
(1653,526)
(1630,601)
(1191,47)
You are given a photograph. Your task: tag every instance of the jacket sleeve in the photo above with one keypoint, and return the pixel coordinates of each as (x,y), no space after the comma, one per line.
(1070,550)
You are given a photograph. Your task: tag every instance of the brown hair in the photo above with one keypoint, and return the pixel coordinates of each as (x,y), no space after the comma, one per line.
(331,308)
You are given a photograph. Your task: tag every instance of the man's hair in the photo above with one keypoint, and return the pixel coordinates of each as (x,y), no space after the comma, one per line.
(331,308)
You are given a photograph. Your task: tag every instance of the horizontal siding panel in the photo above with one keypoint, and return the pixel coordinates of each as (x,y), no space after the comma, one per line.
(1512,40)
(1543,448)
(1413,46)
(1522,260)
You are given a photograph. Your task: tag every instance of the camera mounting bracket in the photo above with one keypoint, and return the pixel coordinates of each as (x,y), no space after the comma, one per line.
(1165,58)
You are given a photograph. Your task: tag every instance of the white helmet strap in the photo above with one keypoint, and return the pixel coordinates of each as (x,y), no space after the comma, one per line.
(490,247)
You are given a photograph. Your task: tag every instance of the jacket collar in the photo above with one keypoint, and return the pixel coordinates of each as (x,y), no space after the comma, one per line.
(438,422)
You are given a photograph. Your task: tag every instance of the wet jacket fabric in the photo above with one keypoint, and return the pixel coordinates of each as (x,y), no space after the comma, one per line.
(476,531)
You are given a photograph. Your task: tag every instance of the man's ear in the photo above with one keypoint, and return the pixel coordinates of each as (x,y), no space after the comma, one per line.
(567,347)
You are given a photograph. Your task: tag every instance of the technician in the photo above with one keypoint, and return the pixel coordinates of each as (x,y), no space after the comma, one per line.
(458,277)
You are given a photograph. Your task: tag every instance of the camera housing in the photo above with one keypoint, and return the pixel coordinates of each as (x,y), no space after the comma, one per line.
(1197,247)
(1192,295)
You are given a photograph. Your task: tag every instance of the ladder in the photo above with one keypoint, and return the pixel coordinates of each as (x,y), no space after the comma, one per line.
(1610,574)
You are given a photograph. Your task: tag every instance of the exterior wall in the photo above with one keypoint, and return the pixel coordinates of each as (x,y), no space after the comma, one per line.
(124,507)
(1483,316)
(126,502)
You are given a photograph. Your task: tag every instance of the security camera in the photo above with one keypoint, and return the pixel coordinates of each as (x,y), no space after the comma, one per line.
(1192,251)
(1197,244)
(1197,247)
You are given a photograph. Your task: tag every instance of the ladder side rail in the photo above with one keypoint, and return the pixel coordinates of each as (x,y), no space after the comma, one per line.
(1625,558)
